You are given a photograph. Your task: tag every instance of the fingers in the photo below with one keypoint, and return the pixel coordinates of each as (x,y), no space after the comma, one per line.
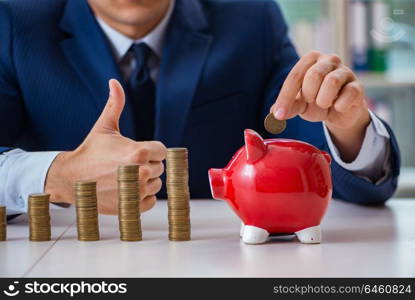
(147,203)
(350,94)
(292,85)
(148,190)
(313,86)
(144,152)
(327,86)
(158,151)
(331,87)
(150,187)
(315,76)
(298,107)
(110,116)
(314,113)
(151,170)
(149,151)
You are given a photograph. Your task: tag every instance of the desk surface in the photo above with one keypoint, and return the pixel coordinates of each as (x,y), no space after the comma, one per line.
(357,242)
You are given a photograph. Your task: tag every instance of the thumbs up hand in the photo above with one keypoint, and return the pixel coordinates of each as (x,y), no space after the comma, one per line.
(99,156)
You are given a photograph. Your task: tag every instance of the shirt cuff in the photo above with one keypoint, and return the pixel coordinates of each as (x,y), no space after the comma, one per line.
(25,173)
(373,160)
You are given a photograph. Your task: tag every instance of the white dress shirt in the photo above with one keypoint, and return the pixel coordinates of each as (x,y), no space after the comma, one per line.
(23,172)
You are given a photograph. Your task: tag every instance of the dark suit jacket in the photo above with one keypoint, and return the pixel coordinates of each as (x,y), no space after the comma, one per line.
(222,66)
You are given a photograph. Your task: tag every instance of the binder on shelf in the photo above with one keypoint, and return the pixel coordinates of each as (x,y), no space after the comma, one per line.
(358,34)
(380,35)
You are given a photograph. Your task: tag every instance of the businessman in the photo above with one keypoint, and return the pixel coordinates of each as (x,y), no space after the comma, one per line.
(186,73)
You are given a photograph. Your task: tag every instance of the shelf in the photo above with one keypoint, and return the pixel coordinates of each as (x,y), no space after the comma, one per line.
(380,80)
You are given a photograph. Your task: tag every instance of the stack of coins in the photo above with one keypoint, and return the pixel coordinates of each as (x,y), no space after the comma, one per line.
(129,203)
(86,210)
(178,194)
(3,221)
(39,218)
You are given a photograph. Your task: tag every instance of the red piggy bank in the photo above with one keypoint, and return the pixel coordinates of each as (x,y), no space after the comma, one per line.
(276,187)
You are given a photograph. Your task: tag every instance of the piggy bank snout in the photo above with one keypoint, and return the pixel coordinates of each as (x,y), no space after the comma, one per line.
(217,183)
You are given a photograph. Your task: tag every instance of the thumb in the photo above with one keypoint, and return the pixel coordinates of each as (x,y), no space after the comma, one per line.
(110,116)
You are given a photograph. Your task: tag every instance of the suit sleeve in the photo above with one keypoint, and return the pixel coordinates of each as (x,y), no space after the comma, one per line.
(356,189)
(11,106)
(280,57)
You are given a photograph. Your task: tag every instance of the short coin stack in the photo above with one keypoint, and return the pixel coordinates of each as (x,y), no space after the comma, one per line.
(3,221)
(39,217)
(86,210)
(129,203)
(178,194)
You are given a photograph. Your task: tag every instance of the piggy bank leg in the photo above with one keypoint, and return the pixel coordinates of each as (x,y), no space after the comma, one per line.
(254,235)
(310,235)
(241,232)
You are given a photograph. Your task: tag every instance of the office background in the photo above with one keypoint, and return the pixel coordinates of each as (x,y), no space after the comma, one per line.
(376,38)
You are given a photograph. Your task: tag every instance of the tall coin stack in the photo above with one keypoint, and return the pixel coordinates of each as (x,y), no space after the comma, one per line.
(86,210)
(129,203)
(178,194)
(3,222)
(39,218)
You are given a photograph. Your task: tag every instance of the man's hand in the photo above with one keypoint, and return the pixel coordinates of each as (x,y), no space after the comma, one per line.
(321,88)
(99,156)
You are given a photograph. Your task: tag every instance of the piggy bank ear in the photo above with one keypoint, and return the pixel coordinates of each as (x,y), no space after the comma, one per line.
(326,156)
(255,147)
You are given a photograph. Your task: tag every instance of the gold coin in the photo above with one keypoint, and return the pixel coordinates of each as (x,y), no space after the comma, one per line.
(273,125)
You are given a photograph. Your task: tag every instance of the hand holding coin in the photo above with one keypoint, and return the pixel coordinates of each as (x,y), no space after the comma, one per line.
(321,88)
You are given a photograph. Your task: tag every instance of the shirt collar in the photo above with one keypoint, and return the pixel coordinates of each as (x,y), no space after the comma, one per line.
(154,39)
